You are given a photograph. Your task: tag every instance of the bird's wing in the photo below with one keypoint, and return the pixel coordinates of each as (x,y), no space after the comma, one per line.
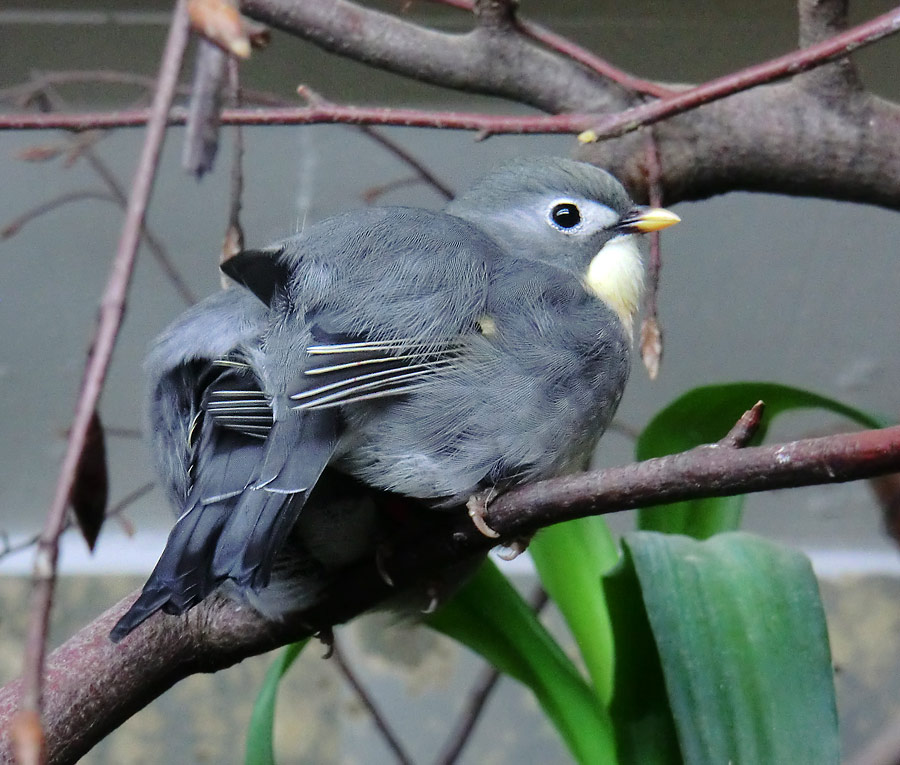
(249,477)
(178,371)
(220,465)
(347,370)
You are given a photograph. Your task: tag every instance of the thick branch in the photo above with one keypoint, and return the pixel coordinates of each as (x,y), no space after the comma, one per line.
(481,61)
(776,69)
(779,139)
(219,633)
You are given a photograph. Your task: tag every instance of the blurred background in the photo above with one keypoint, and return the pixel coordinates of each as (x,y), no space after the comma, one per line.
(754,287)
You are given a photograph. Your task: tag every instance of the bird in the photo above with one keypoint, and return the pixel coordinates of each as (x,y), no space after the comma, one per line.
(429,355)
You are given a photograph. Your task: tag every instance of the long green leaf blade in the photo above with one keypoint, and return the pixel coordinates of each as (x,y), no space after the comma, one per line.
(571,559)
(742,642)
(260,749)
(492,619)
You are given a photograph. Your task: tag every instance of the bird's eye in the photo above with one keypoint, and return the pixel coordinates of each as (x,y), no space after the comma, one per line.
(565,215)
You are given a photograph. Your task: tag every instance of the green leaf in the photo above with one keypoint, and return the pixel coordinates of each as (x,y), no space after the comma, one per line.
(742,644)
(260,746)
(704,415)
(571,558)
(492,619)
(645,729)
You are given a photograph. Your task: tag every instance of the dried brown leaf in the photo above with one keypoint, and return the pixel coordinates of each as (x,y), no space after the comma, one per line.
(91,488)
(651,346)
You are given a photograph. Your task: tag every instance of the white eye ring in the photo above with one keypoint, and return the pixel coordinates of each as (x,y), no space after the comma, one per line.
(565,215)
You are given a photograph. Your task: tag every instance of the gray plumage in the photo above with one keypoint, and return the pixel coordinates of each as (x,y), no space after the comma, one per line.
(429,354)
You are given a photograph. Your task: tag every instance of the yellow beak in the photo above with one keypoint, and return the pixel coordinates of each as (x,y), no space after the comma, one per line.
(643,220)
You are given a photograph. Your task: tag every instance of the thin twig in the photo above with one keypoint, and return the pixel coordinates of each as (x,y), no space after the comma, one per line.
(26,91)
(373,193)
(575,52)
(478,697)
(479,694)
(235,95)
(7,548)
(366,700)
(421,171)
(112,312)
(12,228)
(745,428)
(317,100)
(157,249)
(796,62)
(490,124)
(651,329)
(626,429)
(86,150)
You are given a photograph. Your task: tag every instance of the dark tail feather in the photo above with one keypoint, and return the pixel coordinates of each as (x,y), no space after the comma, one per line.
(177,583)
(297,452)
(182,578)
(235,524)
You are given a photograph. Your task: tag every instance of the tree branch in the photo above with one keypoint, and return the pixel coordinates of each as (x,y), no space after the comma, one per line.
(480,61)
(112,310)
(788,65)
(219,633)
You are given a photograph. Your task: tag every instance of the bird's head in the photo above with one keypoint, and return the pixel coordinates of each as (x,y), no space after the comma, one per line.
(571,215)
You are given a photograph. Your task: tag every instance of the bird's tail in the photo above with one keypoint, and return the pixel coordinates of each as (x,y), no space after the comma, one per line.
(246,499)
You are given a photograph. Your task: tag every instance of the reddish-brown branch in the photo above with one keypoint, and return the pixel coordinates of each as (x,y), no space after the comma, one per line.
(776,69)
(651,328)
(745,428)
(112,310)
(390,738)
(507,65)
(219,633)
(82,147)
(583,56)
(312,115)
(12,228)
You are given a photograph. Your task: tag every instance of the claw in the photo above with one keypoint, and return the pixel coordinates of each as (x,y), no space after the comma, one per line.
(514,549)
(380,554)
(433,603)
(477,507)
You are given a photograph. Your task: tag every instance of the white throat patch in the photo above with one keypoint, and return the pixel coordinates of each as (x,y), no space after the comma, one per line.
(616,276)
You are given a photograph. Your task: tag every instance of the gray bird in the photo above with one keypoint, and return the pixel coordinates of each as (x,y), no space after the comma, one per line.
(428,354)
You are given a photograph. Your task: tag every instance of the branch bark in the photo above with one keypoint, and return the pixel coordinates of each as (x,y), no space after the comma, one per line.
(833,140)
(480,61)
(219,633)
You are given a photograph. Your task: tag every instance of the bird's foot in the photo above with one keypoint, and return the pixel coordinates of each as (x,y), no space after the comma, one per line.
(477,507)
